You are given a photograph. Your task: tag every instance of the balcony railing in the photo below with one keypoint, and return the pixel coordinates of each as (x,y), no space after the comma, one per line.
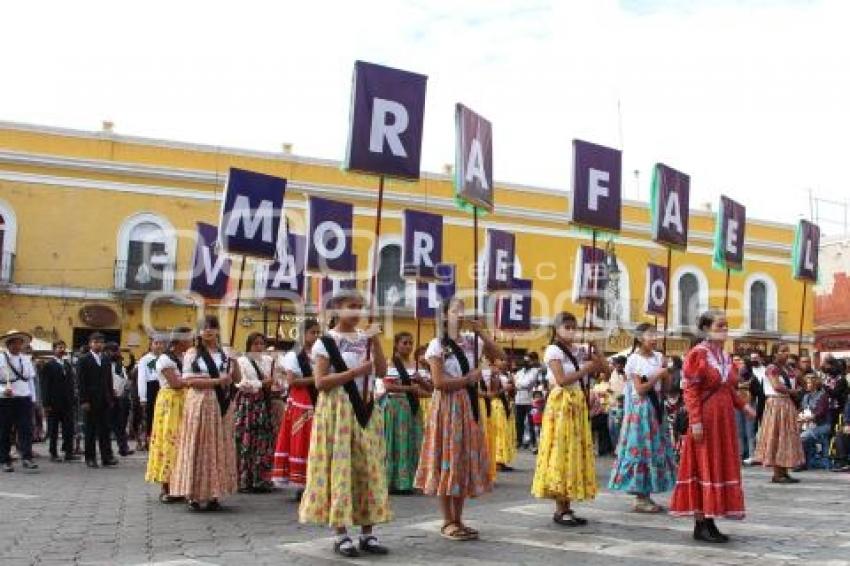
(7,267)
(142,277)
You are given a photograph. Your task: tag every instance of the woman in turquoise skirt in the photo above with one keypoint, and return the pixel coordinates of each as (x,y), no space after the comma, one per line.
(645,462)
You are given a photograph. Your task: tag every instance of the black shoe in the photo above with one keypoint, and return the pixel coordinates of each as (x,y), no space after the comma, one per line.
(29,465)
(504,468)
(214,505)
(570,521)
(111,462)
(126,453)
(8,467)
(71,458)
(369,545)
(344,547)
(91,464)
(55,458)
(715,532)
(703,533)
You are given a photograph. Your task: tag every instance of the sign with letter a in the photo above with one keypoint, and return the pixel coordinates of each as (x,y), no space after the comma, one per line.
(669,206)
(329,236)
(596,186)
(387,112)
(210,269)
(501,248)
(423,244)
(655,301)
(430,294)
(250,213)
(473,159)
(805,253)
(729,235)
(285,278)
(513,311)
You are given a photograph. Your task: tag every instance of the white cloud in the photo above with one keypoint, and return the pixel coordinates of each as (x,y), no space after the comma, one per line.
(750,101)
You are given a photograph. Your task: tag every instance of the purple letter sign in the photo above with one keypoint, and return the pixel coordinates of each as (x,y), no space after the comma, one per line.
(806,254)
(250,213)
(669,206)
(210,270)
(387,111)
(729,246)
(430,294)
(501,248)
(285,278)
(592,274)
(423,243)
(596,186)
(329,236)
(655,301)
(473,158)
(513,311)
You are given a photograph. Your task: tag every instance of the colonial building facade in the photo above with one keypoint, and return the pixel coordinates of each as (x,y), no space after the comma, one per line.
(95,224)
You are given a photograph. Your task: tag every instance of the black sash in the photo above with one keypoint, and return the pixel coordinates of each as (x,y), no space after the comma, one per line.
(503,397)
(259,375)
(652,395)
(307,371)
(362,410)
(405,380)
(785,378)
(222,394)
(583,382)
(463,362)
(18,375)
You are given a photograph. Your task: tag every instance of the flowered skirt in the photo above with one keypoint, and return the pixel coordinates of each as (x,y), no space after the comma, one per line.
(253,431)
(293,440)
(709,478)
(504,432)
(206,454)
(346,474)
(566,464)
(424,410)
(645,460)
(165,433)
(403,439)
(486,422)
(779,441)
(454,460)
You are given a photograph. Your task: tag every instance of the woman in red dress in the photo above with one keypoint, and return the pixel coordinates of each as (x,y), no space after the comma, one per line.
(709,482)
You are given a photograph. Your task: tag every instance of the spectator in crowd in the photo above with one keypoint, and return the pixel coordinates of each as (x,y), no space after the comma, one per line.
(58,396)
(617,381)
(121,389)
(746,427)
(755,371)
(836,386)
(97,397)
(538,404)
(149,381)
(815,422)
(526,379)
(602,394)
(17,377)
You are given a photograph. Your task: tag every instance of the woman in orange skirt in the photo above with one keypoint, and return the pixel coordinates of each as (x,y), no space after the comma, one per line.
(779,443)
(293,441)
(454,462)
(709,480)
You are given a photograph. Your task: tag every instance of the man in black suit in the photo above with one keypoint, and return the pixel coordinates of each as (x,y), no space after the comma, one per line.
(58,399)
(96,401)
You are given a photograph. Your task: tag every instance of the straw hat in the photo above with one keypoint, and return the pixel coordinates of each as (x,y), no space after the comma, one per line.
(16,334)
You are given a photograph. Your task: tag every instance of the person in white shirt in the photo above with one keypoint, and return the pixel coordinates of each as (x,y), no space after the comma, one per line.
(148,381)
(120,413)
(17,377)
(526,379)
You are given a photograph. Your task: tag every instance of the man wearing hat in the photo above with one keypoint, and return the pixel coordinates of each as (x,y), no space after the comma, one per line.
(17,380)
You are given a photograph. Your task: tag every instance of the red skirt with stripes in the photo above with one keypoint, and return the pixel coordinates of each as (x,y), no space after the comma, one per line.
(289,467)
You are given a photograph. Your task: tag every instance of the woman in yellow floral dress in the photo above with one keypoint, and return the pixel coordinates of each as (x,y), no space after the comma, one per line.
(346,468)
(168,413)
(566,469)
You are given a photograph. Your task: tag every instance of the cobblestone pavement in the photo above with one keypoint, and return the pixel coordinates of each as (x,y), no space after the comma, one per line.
(68,514)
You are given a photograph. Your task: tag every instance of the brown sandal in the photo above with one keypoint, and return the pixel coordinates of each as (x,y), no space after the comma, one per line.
(454,531)
(470,532)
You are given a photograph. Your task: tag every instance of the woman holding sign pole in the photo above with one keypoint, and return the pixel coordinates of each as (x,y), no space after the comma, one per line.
(566,465)
(346,469)
(454,463)
(709,481)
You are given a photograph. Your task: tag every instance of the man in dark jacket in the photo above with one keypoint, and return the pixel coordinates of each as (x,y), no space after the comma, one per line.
(58,399)
(96,401)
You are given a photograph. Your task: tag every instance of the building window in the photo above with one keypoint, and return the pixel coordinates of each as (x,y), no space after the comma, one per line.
(758,306)
(391,285)
(8,231)
(688,300)
(146,248)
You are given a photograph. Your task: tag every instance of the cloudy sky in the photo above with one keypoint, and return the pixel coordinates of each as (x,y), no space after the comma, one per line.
(748,97)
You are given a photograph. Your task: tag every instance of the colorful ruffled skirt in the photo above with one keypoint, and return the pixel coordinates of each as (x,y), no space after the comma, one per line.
(253,430)
(779,441)
(165,434)
(645,460)
(403,440)
(454,460)
(293,441)
(346,474)
(566,464)
(206,456)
